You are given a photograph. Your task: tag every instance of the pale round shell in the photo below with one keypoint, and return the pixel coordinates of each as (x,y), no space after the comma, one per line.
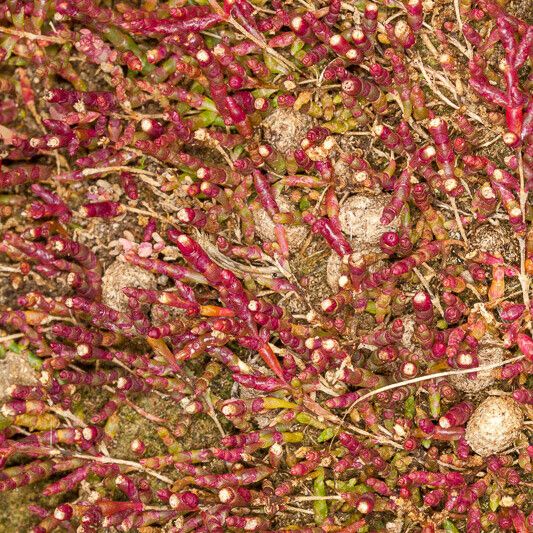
(494,425)
(119,275)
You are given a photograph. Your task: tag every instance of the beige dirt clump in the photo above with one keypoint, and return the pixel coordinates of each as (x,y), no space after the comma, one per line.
(492,239)
(347,177)
(285,129)
(119,275)
(488,353)
(409,324)
(333,271)
(15,369)
(334,265)
(359,217)
(494,425)
(264,225)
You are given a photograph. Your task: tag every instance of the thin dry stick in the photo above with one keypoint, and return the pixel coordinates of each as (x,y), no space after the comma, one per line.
(228,263)
(443,80)
(255,39)
(202,135)
(132,464)
(150,157)
(458,220)
(378,438)
(314,498)
(460,25)
(68,415)
(523,277)
(145,414)
(446,100)
(317,410)
(451,40)
(432,86)
(32,36)
(101,170)
(310,7)
(297,510)
(212,413)
(429,45)
(431,376)
(150,214)
(8,338)
(491,141)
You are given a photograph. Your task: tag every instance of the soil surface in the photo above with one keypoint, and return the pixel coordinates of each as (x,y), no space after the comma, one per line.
(309,263)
